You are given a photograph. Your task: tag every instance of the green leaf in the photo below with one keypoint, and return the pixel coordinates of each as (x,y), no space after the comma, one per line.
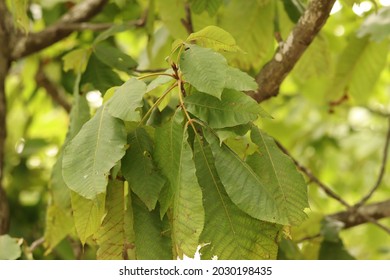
(111,234)
(79,113)
(160,80)
(87,214)
(334,251)
(9,248)
(215,38)
(76,60)
(238,80)
(99,75)
(359,68)
(211,6)
(171,12)
(59,224)
(234,108)
(184,196)
(278,172)
(377,25)
(140,170)
(204,69)
(91,154)
(126,100)
(19,10)
(152,240)
(294,9)
(239,236)
(232,132)
(59,220)
(114,57)
(255,35)
(113,31)
(262,198)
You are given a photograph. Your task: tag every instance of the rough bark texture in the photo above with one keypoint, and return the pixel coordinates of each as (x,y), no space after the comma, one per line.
(5,30)
(287,55)
(376,211)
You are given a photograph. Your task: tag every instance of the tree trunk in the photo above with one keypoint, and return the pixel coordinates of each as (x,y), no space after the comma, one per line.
(5,62)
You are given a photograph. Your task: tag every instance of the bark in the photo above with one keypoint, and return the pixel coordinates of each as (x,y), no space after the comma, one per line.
(5,29)
(34,42)
(287,55)
(375,211)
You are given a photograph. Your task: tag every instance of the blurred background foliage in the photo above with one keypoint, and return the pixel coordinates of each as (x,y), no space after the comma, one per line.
(331,112)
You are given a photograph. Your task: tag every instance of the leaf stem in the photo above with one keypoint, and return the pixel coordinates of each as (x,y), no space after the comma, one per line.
(157,102)
(181,93)
(155,74)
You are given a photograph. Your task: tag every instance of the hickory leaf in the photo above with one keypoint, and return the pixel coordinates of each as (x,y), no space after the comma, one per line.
(239,236)
(278,172)
(234,108)
(127,99)
(238,80)
(91,154)
(87,214)
(183,195)
(140,170)
(253,194)
(215,38)
(111,235)
(204,69)
(152,241)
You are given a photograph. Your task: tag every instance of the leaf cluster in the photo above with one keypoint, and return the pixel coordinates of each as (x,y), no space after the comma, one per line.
(206,175)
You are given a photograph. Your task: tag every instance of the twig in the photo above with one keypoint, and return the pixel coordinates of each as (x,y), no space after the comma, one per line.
(375,222)
(51,89)
(313,178)
(307,238)
(382,169)
(286,56)
(187,22)
(36,244)
(157,70)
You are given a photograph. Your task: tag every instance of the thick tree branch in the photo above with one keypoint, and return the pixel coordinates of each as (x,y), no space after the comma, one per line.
(34,42)
(375,211)
(286,56)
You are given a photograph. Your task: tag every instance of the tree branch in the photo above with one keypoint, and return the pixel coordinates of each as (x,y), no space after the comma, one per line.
(286,56)
(35,42)
(5,29)
(51,89)
(382,169)
(313,178)
(371,212)
(187,22)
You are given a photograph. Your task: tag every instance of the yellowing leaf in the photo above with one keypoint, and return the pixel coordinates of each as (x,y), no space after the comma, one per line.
(88,214)
(215,38)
